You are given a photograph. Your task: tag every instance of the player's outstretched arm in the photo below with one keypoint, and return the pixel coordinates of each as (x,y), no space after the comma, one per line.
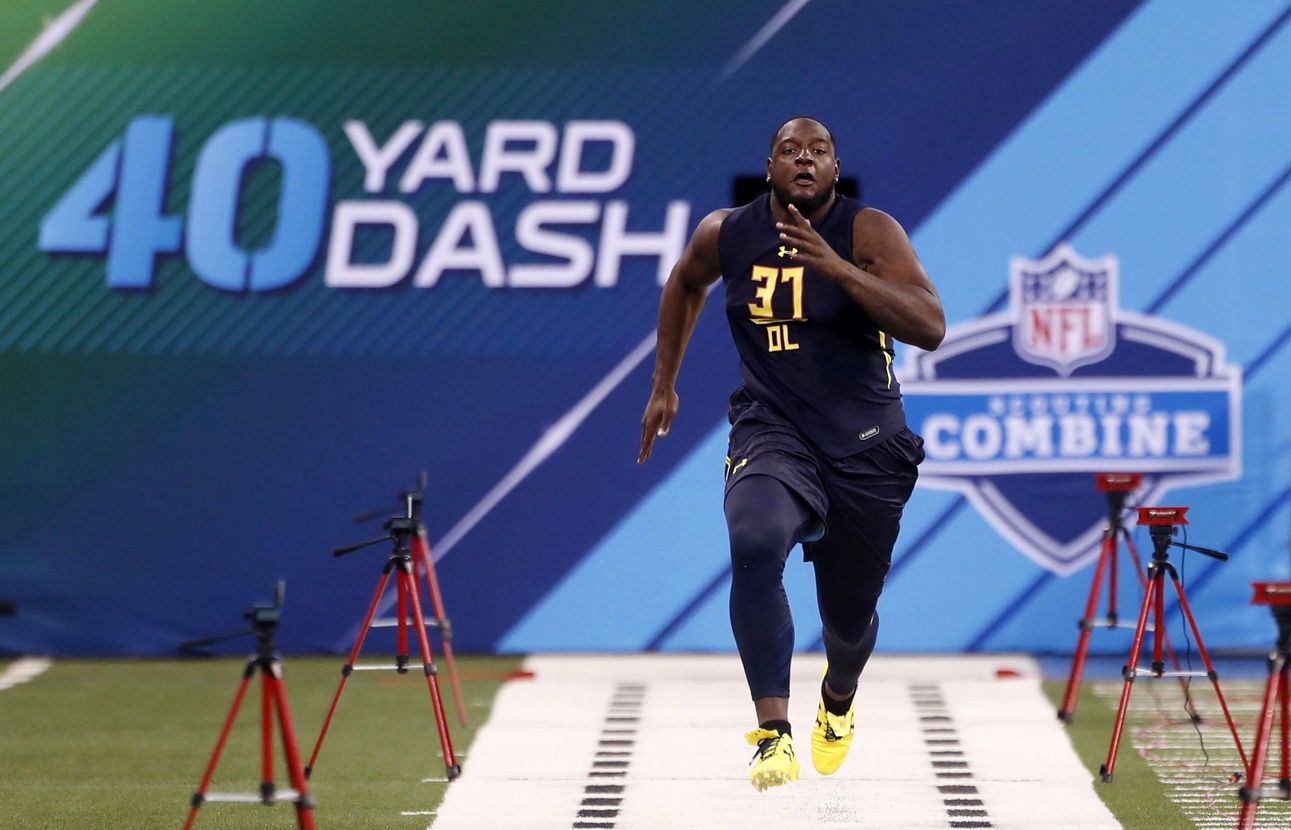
(679,306)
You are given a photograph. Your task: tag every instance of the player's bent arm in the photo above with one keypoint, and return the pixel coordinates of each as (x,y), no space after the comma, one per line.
(680,303)
(890,283)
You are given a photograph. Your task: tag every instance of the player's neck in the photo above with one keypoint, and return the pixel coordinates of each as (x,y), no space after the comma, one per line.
(780,211)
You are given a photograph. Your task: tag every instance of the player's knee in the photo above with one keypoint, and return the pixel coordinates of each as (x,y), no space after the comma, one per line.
(854,630)
(757,549)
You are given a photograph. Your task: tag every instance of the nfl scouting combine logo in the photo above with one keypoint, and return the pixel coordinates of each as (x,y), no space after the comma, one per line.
(1020,409)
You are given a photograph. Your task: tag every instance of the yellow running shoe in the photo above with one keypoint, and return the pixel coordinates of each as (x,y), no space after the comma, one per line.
(831,737)
(775,762)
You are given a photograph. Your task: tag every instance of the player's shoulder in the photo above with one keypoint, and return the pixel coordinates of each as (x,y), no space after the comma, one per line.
(717,217)
(870,217)
(706,233)
(872,224)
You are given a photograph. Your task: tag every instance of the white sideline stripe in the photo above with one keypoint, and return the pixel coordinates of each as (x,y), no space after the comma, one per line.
(759,40)
(55,33)
(22,670)
(687,768)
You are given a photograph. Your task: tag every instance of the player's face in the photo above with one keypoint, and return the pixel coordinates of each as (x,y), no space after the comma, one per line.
(803,167)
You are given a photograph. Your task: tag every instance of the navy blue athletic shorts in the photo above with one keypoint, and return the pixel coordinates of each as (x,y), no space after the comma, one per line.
(858,499)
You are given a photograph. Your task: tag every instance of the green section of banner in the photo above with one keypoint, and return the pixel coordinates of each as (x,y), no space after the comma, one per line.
(201,67)
(21,22)
(406,33)
(61,119)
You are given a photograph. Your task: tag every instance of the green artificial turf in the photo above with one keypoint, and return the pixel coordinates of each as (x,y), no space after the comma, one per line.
(124,743)
(1135,795)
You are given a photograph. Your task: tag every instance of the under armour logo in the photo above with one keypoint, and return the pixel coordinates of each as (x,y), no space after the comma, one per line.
(787,251)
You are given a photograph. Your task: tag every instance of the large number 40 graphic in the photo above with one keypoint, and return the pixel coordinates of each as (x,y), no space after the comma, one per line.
(135,171)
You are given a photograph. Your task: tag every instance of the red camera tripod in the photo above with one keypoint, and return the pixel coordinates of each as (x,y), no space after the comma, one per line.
(1116,487)
(1162,523)
(424,563)
(1276,595)
(401,566)
(274,699)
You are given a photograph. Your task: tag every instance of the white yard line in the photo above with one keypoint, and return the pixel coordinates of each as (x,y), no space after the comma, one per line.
(649,741)
(22,670)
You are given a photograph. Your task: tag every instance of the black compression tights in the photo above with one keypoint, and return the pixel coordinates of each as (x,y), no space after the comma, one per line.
(766,520)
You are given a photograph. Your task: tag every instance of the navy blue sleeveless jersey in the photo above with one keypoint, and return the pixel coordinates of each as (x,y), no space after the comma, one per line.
(807,350)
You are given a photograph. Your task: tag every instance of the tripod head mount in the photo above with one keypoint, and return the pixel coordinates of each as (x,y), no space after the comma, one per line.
(1118,482)
(1116,487)
(264,621)
(268,616)
(400,530)
(411,500)
(1163,524)
(1277,595)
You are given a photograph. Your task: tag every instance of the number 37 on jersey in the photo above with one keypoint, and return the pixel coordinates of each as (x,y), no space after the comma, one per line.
(762,312)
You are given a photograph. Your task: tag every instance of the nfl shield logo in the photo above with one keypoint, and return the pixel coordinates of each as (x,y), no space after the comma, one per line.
(1009,421)
(1064,305)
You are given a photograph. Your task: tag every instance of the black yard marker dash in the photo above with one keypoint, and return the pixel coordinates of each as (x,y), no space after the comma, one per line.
(602,802)
(964,807)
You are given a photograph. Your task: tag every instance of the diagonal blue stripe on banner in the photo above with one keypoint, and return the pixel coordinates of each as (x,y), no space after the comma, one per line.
(1026,595)
(978,643)
(1162,139)
(701,598)
(1269,351)
(925,538)
(1220,241)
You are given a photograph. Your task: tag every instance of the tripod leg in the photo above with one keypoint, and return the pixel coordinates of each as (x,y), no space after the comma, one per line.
(1158,634)
(266,738)
(200,795)
(452,770)
(1129,671)
(1086,625)
(421,558)
(1174,658)
(348,668)
(1284,782)
(304,803)
(1250,794)
(1113,573)
(1205,658)
(401,637)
